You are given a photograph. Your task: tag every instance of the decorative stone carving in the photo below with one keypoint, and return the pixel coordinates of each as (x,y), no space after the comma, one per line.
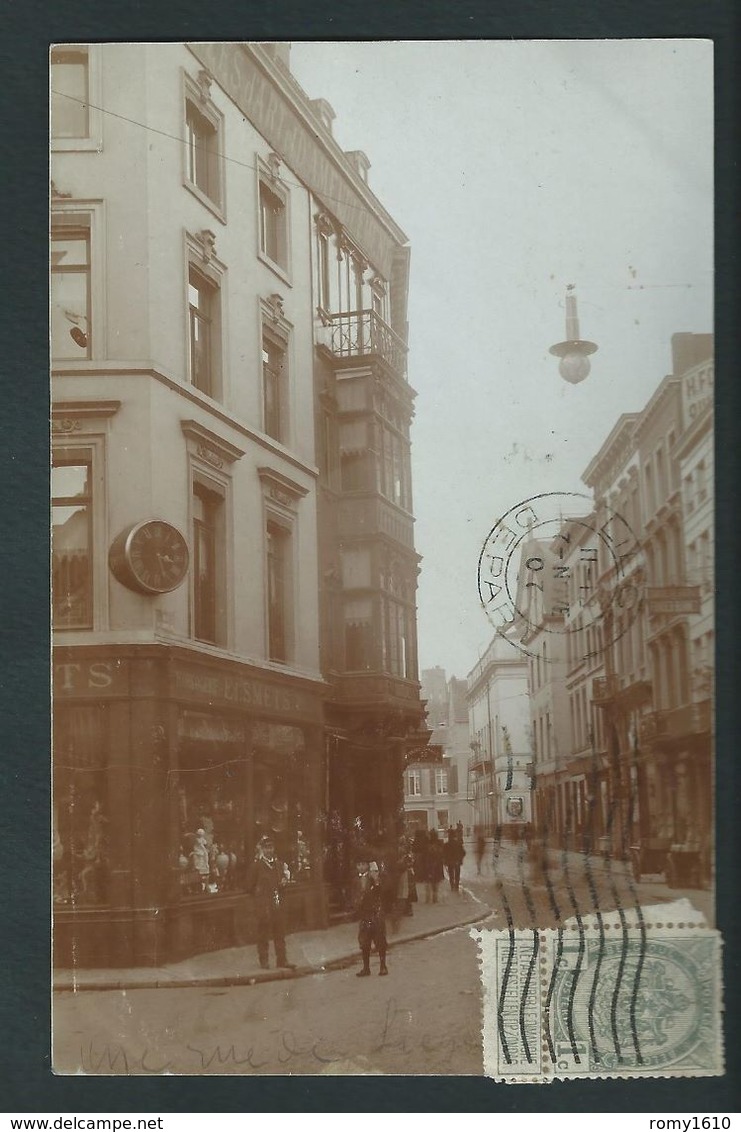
(57,194)
(66,425)
(275,305)
(204,85)
(207,241)
(209,455)
(273,162)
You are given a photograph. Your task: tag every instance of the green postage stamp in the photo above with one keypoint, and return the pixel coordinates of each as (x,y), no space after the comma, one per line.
(610,997)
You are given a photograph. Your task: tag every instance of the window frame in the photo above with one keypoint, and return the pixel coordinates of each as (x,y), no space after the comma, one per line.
(93,139)
(270,183)
(90,215)
(203,481)
(79,432)
(201,259)
(278,331)
(196,95)
(281,497)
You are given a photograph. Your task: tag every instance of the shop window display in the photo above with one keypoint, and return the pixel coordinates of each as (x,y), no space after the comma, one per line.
(80,843)
(237,783)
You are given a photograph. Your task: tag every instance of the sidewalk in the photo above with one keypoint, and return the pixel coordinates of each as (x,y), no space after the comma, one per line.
(327,949)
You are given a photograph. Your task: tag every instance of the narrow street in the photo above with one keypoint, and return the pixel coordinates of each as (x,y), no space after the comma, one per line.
(424,1018)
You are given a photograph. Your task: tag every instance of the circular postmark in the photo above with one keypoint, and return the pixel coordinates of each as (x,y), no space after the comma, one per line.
(557,565)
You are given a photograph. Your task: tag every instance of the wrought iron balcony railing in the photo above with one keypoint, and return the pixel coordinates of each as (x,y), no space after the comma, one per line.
(364,334)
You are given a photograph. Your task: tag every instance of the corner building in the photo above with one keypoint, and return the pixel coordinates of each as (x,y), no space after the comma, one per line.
(196,334)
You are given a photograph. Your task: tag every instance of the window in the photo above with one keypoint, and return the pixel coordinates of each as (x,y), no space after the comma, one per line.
(394,472)
(72,568)
(70,288)
(204,332)
(278,538)
(702,483)
(415,783)
(358,616)
(324,292)
(358,272)
(273,224)
(273,387)
(441,780)
(329,452)
(70,94)
(201,153)
(208,555)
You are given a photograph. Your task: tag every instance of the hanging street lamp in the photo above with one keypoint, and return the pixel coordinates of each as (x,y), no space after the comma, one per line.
(574,352)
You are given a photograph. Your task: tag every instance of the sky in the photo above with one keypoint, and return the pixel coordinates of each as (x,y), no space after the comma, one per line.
(517,168)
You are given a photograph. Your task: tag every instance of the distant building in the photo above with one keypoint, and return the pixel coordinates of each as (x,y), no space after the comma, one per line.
(628,685)
(435,795)
(500,764)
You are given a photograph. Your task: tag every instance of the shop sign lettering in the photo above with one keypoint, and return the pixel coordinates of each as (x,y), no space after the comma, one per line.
(82,678)
(242,692)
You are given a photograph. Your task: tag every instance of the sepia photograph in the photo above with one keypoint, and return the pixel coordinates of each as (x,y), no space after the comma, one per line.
(383,588)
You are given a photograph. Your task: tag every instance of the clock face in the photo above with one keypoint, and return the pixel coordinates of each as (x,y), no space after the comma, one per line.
(151,557)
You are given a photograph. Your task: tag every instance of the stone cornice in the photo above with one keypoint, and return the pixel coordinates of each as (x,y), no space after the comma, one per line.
(291,127)
(208,445)
(109,369)
(613,452)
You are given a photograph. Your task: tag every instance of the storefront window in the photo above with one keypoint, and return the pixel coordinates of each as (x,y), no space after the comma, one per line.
(80,812)
(237,782)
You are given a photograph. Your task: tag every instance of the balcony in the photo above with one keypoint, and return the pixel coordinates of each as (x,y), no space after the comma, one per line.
(604,689)
(353,336)
(373,516)
(676,723)
(672,601)
(376,688)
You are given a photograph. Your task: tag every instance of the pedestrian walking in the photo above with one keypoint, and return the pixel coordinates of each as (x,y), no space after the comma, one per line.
(434,867)
(454,854)
(480,851)
(372,919)
(270,879)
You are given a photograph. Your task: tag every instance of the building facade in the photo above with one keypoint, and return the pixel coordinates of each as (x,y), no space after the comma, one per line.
(435,786)
(634,774)
(500,765)
(215,675)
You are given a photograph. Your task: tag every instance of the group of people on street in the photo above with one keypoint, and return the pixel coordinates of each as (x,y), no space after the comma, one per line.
(381,891)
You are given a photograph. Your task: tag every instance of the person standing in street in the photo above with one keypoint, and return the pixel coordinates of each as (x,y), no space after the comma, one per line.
(454,854)
(270,879)
(480,850)
(372,925)
(434,868)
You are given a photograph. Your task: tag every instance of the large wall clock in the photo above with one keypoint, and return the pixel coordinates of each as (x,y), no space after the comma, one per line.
(150,557)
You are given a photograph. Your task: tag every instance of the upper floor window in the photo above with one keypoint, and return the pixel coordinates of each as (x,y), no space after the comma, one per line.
(70,95)
(204,326)
(324,288)
(414,781)
(208,564)
(273,204)
(441,780)
(71,330)
(72,567)
(358,616)
(278,590)
(273,386)
(204,144)
(76,116)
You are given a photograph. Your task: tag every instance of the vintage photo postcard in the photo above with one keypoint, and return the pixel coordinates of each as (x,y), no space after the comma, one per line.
(383,585)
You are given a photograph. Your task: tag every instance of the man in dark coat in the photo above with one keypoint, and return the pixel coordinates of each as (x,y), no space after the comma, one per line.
(454,854)
(270,878)
(372,926)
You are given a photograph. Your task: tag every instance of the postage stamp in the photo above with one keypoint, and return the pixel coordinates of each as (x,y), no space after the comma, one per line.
(604,1001)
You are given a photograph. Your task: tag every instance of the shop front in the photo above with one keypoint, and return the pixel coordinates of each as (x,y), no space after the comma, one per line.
(167,771)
